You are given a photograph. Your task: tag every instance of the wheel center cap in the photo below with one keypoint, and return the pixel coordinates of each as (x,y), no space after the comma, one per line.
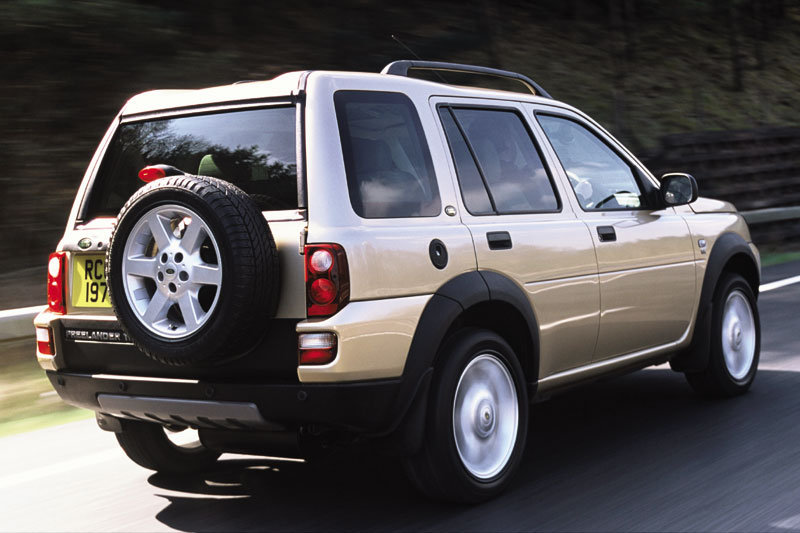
(170,271)
(737,335)
(484,419)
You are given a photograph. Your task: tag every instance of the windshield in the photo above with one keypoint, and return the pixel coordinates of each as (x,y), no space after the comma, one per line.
(253,149)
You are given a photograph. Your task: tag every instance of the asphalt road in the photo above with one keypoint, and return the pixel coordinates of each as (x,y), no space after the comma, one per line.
(640,453)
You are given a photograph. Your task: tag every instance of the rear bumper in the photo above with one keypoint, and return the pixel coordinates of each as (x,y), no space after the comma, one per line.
(366,389)
(373,407)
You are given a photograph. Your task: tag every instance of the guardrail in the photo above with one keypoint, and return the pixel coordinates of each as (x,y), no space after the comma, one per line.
(18,323)
(755,169)
(771,214)
(775,229)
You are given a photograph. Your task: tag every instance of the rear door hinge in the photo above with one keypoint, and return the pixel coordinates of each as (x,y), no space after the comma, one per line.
(303,237)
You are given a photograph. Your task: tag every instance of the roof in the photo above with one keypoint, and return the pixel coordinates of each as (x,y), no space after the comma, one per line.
(292,83)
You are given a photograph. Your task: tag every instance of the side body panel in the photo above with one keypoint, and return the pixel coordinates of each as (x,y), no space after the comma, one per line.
(374,339)
(388,258)
(391,272)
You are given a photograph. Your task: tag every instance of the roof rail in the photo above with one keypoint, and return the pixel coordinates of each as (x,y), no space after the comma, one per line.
(401,68)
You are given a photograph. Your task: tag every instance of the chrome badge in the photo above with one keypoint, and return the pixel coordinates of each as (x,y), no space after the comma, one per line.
(85,243)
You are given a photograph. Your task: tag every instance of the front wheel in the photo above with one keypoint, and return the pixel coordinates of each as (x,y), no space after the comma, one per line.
(477,421)
(735,341)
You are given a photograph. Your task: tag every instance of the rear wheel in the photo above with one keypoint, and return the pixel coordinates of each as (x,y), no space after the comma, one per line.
(158,448)
(735,341)
(477,421)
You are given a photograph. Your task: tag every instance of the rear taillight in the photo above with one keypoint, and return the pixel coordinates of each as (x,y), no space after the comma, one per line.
(316,348)
(327,279)
(56,283)
(44,341)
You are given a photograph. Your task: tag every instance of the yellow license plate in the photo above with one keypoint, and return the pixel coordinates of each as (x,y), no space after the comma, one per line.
(89,287)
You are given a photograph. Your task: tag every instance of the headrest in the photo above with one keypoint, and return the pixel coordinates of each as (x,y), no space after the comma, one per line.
(208,167)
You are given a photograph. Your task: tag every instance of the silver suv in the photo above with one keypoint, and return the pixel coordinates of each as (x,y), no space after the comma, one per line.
(330,256)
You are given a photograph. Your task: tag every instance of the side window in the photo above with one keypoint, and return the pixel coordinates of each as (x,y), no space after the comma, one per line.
(601,178)
(498,156)
(473,190)
(389,168)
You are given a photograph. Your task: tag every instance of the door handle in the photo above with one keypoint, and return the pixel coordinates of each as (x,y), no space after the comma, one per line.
(499,240)
(606,233)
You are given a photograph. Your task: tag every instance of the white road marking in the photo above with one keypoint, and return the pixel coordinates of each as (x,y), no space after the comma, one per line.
(778,284)
(793,522)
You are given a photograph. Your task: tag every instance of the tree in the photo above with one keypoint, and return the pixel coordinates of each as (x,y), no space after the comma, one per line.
(734,43)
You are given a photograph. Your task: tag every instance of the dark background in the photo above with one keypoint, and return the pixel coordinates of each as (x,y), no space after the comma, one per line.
(643,68)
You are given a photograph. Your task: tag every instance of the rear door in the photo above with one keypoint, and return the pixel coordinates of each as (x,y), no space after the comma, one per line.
(521,227)
(644,254)
(253,146)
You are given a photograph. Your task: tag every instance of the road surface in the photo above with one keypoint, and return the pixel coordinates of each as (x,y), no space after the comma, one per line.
(640,452)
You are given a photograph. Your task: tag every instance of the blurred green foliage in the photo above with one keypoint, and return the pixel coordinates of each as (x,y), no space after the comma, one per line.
(644,68)
(27,400)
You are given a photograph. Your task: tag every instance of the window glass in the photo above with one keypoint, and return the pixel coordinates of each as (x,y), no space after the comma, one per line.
(473,190)
(389,168)
(515,174)
(253,149)
(601,178)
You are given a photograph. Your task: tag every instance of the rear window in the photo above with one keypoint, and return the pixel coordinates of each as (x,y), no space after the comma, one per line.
(389,168)
(253,149)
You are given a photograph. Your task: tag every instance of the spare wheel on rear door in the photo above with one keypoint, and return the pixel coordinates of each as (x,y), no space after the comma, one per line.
(193,270)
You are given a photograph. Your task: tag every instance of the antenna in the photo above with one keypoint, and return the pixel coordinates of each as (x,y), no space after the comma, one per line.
(401,43)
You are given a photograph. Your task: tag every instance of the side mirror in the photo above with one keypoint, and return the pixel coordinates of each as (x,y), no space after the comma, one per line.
(678,189)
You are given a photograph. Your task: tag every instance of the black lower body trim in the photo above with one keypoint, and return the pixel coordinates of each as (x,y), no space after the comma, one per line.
(364,407)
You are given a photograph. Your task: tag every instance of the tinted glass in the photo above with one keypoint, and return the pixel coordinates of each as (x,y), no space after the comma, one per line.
(389,168)
(514,171)
(254,149)
(601,178)
(473,190)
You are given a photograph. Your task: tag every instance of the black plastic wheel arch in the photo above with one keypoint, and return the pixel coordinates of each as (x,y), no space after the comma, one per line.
(442,311)
(695,357)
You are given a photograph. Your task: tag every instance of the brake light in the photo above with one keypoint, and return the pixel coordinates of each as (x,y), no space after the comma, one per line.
(148,174)
(56,283)
(44,341)
(327,279)
(323,291)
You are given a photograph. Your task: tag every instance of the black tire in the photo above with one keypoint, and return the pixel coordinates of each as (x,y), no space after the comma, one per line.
(250,280)
(438,469)
(717,380)
(147,445)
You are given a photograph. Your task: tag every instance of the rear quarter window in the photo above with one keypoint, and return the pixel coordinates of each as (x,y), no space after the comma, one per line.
(387,161)
(254,149)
